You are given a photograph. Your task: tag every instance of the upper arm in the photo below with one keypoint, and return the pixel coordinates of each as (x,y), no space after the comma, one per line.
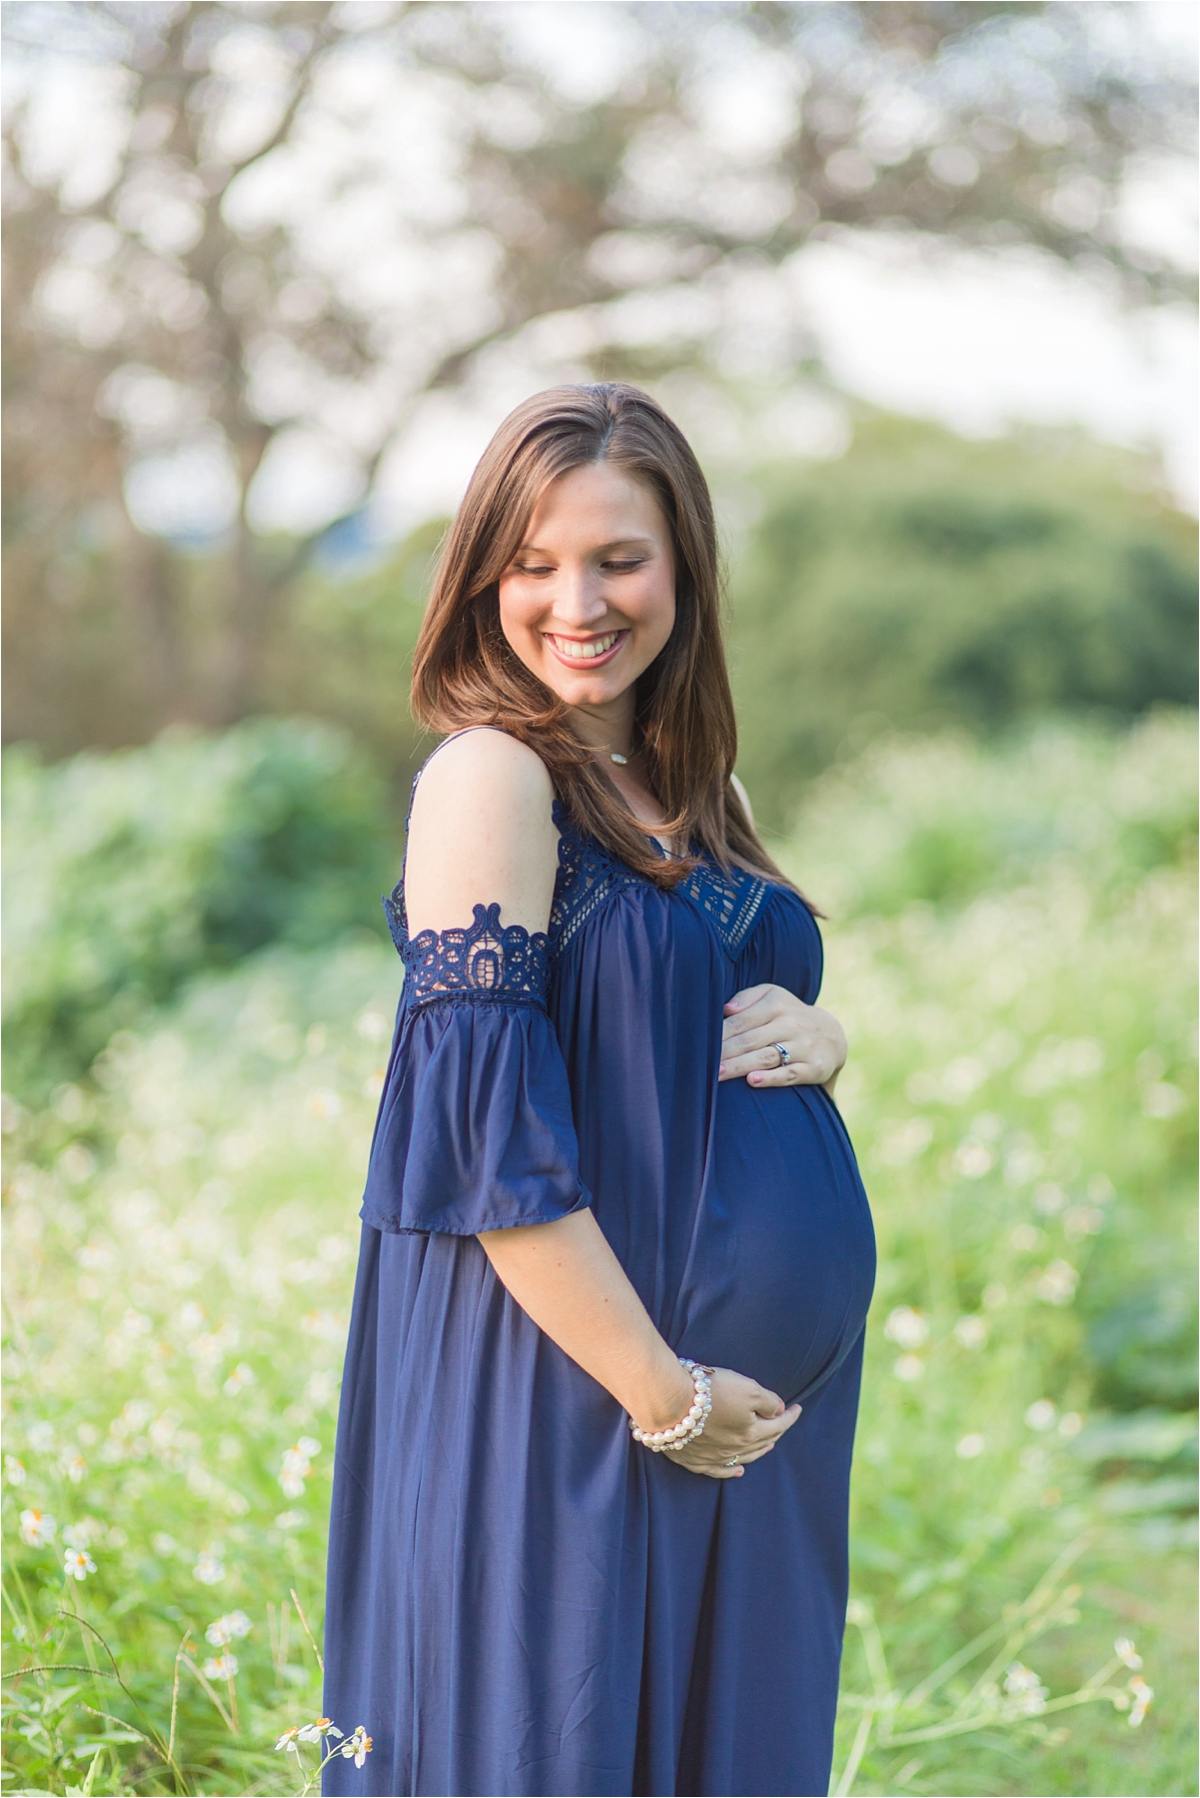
(481,833)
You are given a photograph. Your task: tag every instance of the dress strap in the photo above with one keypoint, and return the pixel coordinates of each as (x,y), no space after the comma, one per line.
(436,750)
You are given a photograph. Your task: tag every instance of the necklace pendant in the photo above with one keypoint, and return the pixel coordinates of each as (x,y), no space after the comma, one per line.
(620,760)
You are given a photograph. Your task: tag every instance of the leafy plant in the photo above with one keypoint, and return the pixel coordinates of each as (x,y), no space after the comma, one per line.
(131,873)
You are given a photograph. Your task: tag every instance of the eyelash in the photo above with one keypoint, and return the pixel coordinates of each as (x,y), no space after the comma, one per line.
(609,567)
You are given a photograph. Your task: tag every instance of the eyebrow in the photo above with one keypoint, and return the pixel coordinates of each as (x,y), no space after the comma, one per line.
(531,549)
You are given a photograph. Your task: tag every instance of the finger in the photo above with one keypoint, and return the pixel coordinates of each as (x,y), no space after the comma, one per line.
(757,1025)
(792,1415)
(759,1057)
(766,1403)
(795,1073)
(772,1428)
(747,997)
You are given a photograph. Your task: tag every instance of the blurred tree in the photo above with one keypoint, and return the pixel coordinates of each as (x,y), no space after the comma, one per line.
(922,581)
(281,225)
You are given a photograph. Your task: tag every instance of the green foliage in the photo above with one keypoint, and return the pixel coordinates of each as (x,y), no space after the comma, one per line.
(922,580)
(346,653)
(1020,1096)
(131,873)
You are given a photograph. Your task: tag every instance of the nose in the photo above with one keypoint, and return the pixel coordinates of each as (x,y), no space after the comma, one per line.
(579,602)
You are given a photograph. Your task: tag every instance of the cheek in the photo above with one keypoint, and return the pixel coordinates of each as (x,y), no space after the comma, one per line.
(656,609)
(518,615)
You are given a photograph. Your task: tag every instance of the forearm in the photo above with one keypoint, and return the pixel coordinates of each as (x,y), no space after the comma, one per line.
(566,1277)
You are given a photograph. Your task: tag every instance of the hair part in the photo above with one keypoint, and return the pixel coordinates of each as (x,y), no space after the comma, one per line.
(465,671)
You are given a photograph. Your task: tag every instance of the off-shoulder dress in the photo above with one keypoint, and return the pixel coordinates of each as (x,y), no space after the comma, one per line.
(521,1600)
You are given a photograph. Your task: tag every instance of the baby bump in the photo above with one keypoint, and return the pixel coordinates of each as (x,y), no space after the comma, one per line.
(783,1261)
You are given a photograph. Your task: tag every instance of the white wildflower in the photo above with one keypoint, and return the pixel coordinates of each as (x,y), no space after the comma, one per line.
(14,1470)
(83,1533)
(239,1376)
(1025,1689)
(209,1569)
(1057,1283)
(973,1159)
(909,1367)
(78,1563)
(906,1142)
(358,1747)
(1143,1697)
(230,1628)
(1124,1650)
(297,1466)
(1041,1415)
(288,1740)
(37,1528)
(320,1730)
(222,1666)
(41,1438)
(971,1332)
(907,1328)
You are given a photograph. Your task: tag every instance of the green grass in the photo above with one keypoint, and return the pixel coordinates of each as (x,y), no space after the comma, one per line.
(182,1235)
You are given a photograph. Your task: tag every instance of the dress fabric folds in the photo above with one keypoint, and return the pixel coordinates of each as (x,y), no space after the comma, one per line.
(521,1600)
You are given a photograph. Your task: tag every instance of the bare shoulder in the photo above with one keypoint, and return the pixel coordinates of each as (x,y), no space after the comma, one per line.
(481,833)
(489,763)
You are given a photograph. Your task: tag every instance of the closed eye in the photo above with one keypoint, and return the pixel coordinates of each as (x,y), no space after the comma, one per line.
(623,567)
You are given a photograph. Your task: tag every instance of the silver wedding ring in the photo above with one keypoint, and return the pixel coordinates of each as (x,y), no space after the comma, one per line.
(784,1057)
(734,1462)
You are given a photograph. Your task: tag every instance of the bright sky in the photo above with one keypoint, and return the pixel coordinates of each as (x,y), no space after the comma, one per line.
(979,342)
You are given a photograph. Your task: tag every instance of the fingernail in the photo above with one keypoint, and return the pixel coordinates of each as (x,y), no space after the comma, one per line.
(756,1079)
(720,1071)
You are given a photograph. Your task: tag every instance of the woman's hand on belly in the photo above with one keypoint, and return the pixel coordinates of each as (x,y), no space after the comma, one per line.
(761,1017)
(745,1423)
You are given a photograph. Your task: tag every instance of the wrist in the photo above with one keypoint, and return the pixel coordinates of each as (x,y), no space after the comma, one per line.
(691,1425)
(665,1397)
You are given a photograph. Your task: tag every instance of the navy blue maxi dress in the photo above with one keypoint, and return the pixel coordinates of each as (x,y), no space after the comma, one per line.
(522,1600)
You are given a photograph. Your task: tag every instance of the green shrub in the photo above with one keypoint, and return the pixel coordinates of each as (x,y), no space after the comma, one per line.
(923,581)
(1020,1092)
(127,874)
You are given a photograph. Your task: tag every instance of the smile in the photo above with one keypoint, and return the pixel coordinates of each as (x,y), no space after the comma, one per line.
(593,650)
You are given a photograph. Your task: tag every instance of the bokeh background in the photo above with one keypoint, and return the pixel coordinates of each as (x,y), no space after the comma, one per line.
(918,280)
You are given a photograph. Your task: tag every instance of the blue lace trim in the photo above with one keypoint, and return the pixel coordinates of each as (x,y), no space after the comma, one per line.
(731,902)
(487,960)
(589,874)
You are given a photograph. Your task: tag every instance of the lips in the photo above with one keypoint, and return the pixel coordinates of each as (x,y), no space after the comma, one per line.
(586,652)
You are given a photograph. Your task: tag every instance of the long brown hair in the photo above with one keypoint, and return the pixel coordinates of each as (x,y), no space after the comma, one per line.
(465,672)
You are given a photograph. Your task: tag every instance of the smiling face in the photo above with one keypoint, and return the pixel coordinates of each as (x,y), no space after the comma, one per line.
(588,600)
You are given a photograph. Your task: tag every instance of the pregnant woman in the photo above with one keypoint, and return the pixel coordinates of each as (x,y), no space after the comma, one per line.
(589,1516)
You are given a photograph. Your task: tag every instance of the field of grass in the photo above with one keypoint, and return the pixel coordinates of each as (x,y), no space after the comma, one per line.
(1009,946)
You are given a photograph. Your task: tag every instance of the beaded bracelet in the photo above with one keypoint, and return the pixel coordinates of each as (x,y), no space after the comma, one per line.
(689,1427)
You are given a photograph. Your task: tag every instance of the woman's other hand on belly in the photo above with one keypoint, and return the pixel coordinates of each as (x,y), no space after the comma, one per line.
(758,1019)
(745,1423)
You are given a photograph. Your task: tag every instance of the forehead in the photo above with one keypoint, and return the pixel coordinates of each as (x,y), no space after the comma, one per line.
(597,499)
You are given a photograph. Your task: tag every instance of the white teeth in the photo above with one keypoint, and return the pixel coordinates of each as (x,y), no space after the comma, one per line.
(585,652)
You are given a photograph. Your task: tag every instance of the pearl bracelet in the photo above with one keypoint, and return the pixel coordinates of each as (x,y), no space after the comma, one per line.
(689,1427)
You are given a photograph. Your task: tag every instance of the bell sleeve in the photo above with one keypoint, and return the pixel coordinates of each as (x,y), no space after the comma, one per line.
(475,1129)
